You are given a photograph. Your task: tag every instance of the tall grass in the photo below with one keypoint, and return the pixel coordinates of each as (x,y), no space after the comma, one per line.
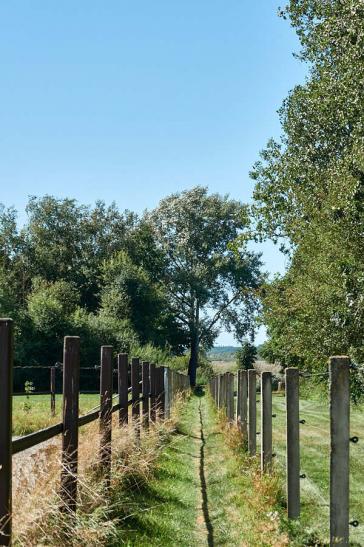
(101,512)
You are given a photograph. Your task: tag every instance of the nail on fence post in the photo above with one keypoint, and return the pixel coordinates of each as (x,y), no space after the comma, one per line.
(146,392)
(71,388)
(106,389)
(53,390)
(252,430)
(339,454)
(153,410)
(135,394)
(266,402)
(6,392)
(123,384)
(293,442)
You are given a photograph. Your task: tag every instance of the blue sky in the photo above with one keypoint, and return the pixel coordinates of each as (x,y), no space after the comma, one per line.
(129,101)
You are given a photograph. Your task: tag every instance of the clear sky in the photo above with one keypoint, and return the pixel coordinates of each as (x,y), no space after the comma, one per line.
(129,101)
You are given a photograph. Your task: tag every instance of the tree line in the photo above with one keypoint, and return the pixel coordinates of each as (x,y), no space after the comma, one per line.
(309,193)
(168,279)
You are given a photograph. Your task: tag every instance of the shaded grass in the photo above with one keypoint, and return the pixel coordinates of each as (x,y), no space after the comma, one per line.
(39,414)
(162,511)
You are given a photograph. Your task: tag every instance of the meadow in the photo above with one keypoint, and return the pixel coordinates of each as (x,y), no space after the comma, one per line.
(33,412)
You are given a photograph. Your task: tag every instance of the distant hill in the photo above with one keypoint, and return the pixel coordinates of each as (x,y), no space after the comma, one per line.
(222,353)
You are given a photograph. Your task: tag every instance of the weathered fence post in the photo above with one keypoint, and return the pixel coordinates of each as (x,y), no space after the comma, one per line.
(339,454)
(106,388)
(161,391)
(166,391)
(242,412)
(153,410)
(252,430)
(146,392)
(293,442)
(231,401)
(266,402)
(6,392)
(135,394)
(53,390)
(123,385)
(71,383)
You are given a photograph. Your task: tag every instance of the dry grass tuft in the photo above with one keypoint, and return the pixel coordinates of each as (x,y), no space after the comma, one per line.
(37,519)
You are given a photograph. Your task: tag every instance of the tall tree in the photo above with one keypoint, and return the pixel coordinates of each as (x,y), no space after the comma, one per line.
(210,283)
(309,191)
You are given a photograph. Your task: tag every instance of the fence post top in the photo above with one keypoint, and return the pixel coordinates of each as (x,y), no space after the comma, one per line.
(292,370)
(6,320)
(71,338)
(339,360)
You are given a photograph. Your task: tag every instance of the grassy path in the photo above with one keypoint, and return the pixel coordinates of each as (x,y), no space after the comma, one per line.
(202,492)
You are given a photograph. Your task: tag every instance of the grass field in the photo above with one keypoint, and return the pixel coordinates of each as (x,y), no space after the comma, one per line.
(315,451)
(33,413)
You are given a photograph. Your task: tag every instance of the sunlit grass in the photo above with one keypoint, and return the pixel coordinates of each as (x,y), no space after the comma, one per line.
(315,462)
(34,412)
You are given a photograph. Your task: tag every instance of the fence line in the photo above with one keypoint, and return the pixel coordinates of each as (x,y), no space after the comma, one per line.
(339,408)
(154,393)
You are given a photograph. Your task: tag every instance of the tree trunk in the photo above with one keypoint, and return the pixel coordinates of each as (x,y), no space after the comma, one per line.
(192,366)
(195,343)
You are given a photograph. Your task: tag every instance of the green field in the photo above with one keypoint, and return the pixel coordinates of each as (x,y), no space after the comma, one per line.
(33,413)
(315,451)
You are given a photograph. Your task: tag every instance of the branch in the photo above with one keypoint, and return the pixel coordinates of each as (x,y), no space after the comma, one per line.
(219,312)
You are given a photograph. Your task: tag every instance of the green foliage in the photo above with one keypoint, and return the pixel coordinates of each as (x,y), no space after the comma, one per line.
(246,356)
(309,192)
(203,270)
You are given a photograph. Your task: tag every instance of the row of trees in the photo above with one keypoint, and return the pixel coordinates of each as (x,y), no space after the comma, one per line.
(309,192)
(172,277)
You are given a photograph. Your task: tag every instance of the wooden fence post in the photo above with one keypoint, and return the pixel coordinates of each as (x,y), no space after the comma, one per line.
(135,394)
(231,401)
(266,402)
(339,454)
(146,392)
(106,389)
(166,386)
(53,390)
(252,430)
(293,442)
(71,387)
(161,392)
(152,375)
(6,392)
(242,414)
(123,385)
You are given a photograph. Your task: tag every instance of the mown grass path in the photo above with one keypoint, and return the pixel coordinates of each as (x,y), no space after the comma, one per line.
(202,492)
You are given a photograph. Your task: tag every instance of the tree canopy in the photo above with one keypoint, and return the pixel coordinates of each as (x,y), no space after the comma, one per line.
(209,282)
(309,191)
